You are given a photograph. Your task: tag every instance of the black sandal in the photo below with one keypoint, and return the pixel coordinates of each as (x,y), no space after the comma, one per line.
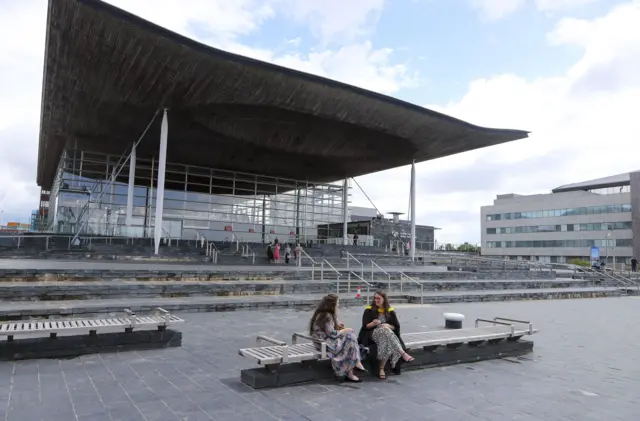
(349,379)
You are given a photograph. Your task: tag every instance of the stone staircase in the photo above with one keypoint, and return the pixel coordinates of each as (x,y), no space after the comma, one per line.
(47,292)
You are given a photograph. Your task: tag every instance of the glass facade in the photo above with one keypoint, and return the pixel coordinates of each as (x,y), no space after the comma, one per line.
(216,203)
(561,243)
(587,210)
(561,228)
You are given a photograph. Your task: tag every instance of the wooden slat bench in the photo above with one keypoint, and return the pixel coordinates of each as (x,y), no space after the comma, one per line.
(279,352)
(67,327)
(501,329)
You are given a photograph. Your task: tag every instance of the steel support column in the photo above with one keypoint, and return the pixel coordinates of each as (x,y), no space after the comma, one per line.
(130,190)
(345,211)
(413,211)
(162,165)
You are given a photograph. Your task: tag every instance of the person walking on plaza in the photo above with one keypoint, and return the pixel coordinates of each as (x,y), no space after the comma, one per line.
(287,253)
(270,253)
(342,344)
(297,250)
(634,264)
(276,253)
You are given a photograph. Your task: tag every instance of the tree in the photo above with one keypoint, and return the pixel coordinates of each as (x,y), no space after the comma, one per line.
(467,247)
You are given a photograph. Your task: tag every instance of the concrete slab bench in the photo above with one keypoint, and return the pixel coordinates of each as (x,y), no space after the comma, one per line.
(284,364)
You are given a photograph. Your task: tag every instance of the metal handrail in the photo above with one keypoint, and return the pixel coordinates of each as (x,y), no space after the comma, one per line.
(305,255)
(331,266)
(404,275)
(383,271)
(360,279)
(248,252)
(349,255)
(167,236)
(313,262)
(234,236)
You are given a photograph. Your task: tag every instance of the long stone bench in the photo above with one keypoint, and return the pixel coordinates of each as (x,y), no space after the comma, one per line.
(284,364)
(74,337)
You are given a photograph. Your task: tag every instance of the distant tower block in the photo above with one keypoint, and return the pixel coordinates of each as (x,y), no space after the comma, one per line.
(396,216)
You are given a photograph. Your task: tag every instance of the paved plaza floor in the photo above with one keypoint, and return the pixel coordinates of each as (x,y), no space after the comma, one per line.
(584,367)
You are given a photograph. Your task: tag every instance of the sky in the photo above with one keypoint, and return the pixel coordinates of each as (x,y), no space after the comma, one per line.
(566,70)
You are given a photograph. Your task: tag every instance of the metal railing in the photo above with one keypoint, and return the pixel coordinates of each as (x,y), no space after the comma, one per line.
(210,248)
(322,265)
(167,237)
(352,257)
(247,252)
(375,265)
(360,279)
(404,276)
(313,262)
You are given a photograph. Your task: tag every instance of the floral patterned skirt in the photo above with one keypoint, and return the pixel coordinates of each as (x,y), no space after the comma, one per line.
(344,353)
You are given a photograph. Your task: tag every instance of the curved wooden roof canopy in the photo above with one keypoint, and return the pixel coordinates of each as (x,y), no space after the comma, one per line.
(107,72)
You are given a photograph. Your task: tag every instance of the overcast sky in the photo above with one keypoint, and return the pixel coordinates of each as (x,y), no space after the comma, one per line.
(567,70)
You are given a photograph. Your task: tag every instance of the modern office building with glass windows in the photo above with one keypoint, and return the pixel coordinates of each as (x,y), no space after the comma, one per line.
(566,223)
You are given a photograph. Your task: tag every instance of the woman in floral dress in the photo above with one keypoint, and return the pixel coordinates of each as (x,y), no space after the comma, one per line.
(342,343)
(381,334)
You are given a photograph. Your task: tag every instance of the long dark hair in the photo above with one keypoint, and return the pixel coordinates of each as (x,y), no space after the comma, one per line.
(326,308)
(385,302)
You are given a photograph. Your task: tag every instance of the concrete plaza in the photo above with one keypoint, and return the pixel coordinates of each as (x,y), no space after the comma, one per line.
(583,368)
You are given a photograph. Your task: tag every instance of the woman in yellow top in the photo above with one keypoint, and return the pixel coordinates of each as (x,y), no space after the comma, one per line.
(380,332)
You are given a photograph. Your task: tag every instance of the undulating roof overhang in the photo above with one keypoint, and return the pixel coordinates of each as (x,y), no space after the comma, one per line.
(107,72)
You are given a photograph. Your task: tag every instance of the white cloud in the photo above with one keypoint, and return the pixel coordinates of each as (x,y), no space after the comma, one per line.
(491,10)
(208,20)
(335,20)
(559,5)
(496,9)
(584,125)
(20,88)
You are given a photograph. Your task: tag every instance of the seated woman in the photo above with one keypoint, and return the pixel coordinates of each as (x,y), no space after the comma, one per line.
(380,332)
(342,344)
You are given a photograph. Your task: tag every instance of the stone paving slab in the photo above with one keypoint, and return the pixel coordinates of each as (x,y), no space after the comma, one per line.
(582,369)
(262,302)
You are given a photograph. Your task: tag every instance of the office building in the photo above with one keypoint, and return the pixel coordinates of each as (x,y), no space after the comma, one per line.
(566,223)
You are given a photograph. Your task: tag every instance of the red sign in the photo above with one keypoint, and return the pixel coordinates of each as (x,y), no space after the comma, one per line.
(228,228)
(292,233)
(252,230)
(272,231)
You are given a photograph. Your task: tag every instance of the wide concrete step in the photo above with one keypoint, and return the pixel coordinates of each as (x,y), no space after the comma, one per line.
(115,289)
(37,270)
(18,310)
